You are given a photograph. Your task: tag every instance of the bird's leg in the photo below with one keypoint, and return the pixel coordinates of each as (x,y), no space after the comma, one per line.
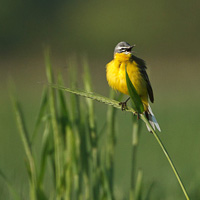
(123,104)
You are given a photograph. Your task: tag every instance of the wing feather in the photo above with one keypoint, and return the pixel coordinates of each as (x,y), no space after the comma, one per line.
(142,66)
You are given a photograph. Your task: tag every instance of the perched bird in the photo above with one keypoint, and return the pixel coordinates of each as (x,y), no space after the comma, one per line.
(136,69)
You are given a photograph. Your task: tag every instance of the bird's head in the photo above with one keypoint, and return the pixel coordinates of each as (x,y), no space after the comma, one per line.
(123,47)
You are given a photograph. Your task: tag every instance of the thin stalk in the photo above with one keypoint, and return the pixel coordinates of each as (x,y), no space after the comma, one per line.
(111,142)
(92,133)
(138,186)
(27,147)
(52,105)
(69,153)
(93,96)
(135,142)
(167,156)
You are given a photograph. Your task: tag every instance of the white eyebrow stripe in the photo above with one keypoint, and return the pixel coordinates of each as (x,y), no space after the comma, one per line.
(123,47)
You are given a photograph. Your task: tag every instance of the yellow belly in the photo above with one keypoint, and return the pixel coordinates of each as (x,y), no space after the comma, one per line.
(116,77)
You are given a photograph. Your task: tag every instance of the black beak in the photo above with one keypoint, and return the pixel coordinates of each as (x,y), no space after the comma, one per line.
(132,46)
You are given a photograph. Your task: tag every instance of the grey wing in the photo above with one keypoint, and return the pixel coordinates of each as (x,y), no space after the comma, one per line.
(142,66)
(149,88)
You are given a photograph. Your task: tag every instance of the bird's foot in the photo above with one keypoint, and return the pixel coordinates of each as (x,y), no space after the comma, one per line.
(123,105)
(137,114)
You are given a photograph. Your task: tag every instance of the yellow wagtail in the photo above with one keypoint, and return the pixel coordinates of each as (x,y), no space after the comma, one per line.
(136,69)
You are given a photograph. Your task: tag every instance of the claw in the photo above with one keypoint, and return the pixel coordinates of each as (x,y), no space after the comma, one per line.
(124,106)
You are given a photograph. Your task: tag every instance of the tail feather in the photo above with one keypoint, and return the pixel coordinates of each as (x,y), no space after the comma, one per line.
(152,120)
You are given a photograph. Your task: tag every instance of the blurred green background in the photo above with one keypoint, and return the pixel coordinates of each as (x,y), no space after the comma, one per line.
(166,34)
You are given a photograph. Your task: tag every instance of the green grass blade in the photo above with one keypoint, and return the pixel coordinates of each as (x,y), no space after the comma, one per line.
(143,117)
(64,117)
(92,132)
(90,105)
(138,186)
(41,114)
(111,115)
(77,126)
(149,192)
(86,76)
(71,162)
(13,192)
(111,142)
(136,100)
(74,100)
(135,143)
(106,186)
(54,121)
(41,195)
(27,146)
(93,96)
(44,152)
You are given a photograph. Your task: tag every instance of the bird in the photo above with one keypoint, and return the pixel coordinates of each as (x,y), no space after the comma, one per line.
(136,69)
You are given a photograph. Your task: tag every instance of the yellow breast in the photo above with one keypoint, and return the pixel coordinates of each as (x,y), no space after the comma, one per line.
(116,77)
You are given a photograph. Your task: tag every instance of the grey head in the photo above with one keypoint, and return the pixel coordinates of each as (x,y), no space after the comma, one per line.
(123,47)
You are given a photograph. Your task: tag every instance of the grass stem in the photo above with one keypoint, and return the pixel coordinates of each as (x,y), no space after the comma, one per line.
(52,106)
(135,142)
(167,156)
